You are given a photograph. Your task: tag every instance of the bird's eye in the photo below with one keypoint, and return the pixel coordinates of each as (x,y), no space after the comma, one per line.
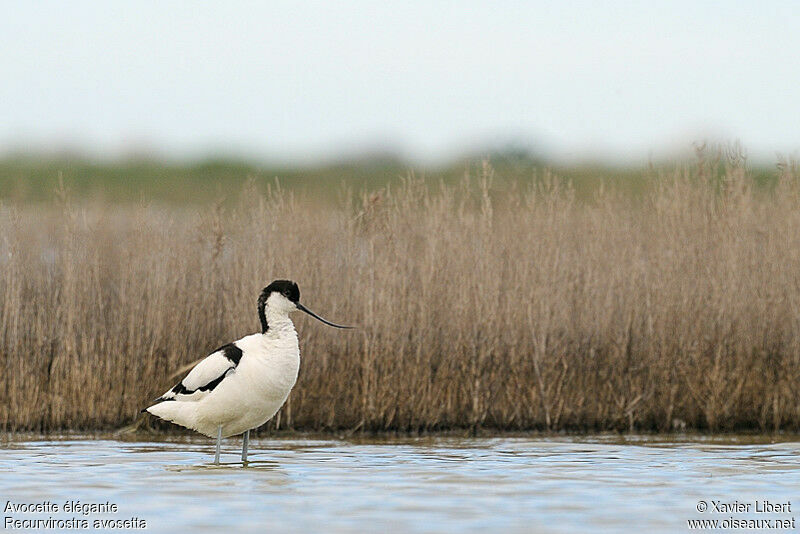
(286,293)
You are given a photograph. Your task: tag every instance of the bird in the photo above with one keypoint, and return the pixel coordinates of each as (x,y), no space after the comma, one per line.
(242,385)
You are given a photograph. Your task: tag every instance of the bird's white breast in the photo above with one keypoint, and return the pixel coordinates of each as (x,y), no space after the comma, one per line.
(258,387)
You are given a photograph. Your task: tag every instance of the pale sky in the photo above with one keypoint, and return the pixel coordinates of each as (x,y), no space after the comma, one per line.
(293,81)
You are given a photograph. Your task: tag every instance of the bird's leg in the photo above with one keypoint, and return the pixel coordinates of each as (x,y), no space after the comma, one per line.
(245,442)
(219,439)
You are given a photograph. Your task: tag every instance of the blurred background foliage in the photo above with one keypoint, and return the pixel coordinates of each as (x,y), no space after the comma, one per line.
(32,178)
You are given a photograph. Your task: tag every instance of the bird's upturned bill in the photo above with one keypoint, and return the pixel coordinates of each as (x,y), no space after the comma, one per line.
(315,316)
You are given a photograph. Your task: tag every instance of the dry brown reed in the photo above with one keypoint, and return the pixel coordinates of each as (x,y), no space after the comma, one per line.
(512,309)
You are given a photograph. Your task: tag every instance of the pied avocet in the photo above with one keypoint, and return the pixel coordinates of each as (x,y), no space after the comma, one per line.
(241,385)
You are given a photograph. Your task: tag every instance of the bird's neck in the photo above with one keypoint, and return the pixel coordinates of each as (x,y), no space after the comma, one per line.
(274,321)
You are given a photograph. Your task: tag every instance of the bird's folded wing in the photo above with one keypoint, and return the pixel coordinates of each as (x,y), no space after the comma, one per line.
(205,376)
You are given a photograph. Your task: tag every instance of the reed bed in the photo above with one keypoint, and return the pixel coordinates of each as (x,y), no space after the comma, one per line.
(506,308)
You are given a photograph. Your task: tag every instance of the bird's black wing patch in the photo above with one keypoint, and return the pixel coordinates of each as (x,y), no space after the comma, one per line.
(232,352)
(206,375)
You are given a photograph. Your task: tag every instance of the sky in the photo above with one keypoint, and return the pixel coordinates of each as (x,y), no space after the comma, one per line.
(308,81)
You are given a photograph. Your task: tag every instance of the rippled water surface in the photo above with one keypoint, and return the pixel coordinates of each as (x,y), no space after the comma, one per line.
(408,485)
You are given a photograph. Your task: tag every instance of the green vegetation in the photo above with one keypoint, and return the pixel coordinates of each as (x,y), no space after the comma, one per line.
(30,179)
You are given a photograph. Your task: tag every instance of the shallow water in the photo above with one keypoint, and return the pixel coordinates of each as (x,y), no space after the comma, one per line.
(406,485)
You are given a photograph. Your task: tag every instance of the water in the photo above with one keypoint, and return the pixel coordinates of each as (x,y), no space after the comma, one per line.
(407,485)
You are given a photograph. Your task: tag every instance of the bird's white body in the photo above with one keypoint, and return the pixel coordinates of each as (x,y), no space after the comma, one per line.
(248,392)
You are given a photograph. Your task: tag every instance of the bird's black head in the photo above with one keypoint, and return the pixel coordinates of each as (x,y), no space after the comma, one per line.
(290,291)
(287,288)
